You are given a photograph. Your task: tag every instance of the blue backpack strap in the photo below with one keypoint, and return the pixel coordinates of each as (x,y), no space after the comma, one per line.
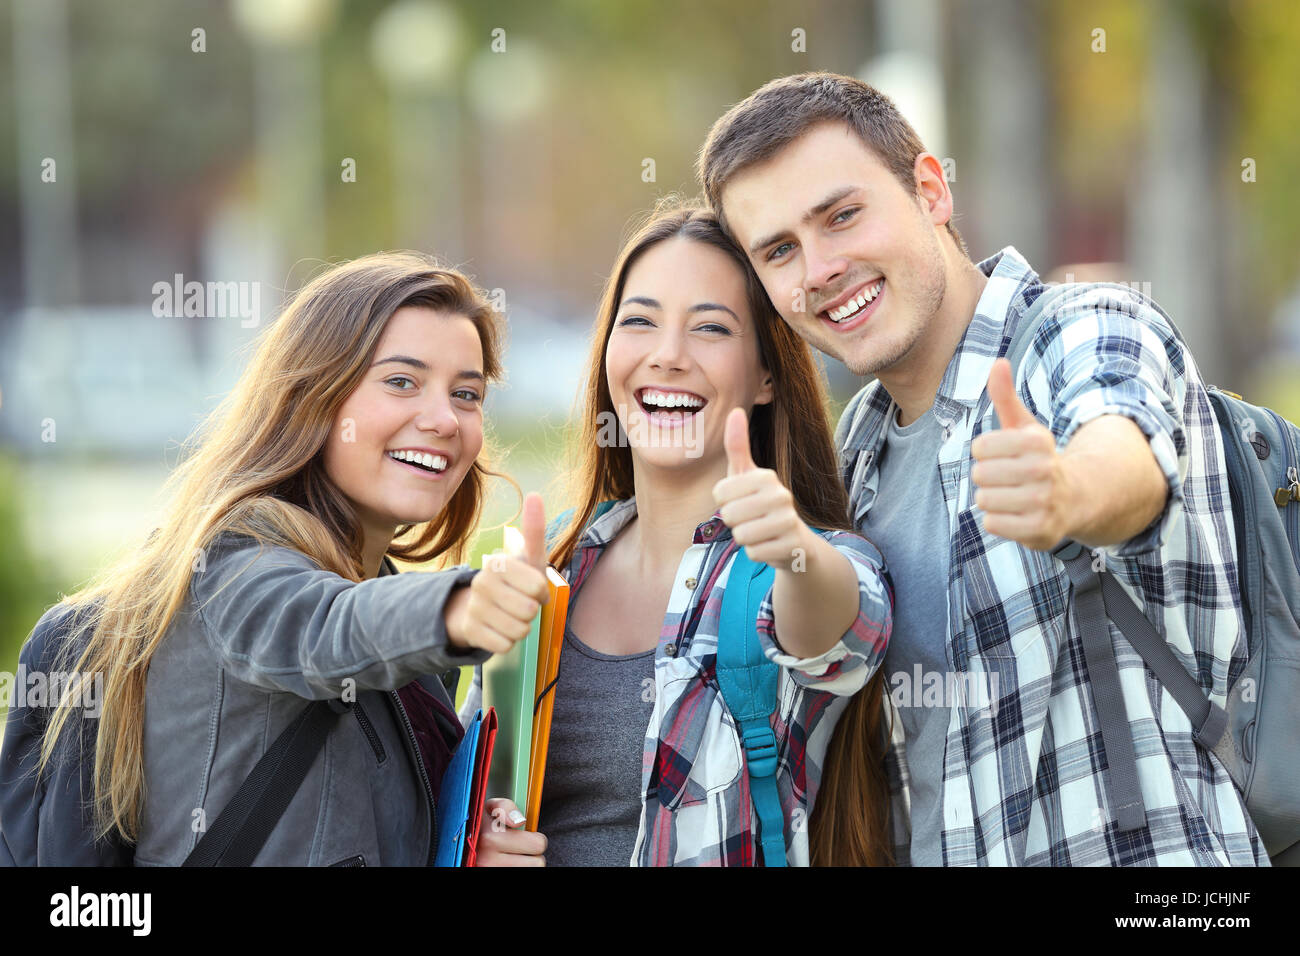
(748,681)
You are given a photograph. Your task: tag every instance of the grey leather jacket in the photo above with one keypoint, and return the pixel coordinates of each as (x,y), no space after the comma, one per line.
(265,630)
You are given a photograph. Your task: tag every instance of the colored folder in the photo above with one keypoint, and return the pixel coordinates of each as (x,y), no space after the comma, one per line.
(554,615)
(478,794)
(461,794)
(517,684)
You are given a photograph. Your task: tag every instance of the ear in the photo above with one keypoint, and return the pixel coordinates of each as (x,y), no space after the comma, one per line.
(932,189)
(765,392)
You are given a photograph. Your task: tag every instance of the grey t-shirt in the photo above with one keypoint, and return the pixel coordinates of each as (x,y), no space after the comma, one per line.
(591,797)
(908,521)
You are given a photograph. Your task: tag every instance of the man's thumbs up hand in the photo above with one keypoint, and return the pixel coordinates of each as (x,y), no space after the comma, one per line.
(757,508)
(1012,412)
(497,609)
(1022,484)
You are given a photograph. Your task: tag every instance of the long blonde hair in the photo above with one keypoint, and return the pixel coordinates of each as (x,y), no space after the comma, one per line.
(255,467)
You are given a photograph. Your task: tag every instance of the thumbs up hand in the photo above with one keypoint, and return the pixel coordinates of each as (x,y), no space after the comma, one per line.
(1022,484)
(757,508)
(497,609)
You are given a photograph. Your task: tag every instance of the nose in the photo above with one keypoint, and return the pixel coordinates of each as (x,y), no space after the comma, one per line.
(438,417)
(669,351)
(823,264)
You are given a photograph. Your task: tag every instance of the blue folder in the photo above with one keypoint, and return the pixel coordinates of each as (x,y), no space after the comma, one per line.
(454,797)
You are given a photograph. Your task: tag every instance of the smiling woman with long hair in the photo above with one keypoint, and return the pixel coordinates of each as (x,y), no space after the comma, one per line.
(353,436)
(723,441)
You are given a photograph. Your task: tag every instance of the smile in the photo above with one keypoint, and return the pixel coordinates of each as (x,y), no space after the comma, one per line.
(669,408)
(425,464)
(855,310)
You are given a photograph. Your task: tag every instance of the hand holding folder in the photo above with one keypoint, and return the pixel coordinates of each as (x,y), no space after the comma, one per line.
(465,786)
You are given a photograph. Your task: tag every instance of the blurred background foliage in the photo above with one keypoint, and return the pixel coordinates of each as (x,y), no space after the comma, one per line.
(510,137)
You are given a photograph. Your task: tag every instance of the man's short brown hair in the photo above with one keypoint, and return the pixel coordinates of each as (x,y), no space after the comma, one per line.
(776,114)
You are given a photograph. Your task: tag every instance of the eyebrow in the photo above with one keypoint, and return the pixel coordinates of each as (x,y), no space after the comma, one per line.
(842,193)
(699,307)
(417,364)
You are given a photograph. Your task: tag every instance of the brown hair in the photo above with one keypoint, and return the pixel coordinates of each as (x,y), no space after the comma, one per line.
(256,467)
(777,113)
(792,436)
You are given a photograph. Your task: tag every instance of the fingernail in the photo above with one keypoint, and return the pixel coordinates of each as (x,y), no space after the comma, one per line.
(515,818)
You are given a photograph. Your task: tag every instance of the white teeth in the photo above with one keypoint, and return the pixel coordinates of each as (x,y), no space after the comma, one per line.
(856,304)
(658,399)
(432,462)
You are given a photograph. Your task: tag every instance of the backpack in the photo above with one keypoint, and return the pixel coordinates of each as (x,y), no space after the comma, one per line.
(1255,736)
(747,681)
(45,820)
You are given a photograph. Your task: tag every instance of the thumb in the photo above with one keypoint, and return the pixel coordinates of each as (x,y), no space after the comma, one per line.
(1012,412)
(534,531)
(735,438)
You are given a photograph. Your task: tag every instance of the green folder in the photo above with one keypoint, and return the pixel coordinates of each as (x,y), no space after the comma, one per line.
(509,682)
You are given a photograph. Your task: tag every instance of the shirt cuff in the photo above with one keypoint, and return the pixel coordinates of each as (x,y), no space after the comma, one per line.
(1162,445)
(848,664)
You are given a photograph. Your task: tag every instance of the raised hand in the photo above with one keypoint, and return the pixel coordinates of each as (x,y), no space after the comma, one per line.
(498,607)
(1022,484)
(757,508)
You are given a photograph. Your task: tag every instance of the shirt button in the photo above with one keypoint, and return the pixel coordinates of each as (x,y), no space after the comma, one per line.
(690,584)
(670,650)
(707,531)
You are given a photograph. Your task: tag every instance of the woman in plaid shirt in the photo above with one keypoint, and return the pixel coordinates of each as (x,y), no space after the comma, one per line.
(687,351)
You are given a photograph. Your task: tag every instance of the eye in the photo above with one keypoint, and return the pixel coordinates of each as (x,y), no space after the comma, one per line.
(637,319)
(777,253)
(400,378)
(715,327)
(844,215)
(467,395)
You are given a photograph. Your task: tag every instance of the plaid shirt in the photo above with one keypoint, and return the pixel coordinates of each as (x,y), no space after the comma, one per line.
(1023,779)
(696,806)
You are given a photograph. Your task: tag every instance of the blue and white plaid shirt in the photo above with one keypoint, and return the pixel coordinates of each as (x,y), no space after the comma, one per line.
(1023,778)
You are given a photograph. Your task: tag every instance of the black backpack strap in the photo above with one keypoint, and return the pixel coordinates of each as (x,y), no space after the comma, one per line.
(243,827)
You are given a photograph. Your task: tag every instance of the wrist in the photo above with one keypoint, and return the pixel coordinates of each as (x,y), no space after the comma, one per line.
(454,614)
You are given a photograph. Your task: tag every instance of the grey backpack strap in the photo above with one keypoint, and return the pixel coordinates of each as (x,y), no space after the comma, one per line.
(1098,597)
(1107,697)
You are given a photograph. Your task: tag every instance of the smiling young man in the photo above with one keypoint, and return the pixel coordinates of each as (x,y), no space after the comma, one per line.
(967,473)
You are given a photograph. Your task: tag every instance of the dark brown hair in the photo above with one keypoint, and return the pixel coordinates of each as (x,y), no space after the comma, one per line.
(777,113)
(792,436)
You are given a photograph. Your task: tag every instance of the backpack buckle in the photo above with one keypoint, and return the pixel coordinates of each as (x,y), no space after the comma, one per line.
(760,751)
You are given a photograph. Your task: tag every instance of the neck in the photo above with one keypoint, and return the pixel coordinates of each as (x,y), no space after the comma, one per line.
(670,504)
(914,381)
(373,550)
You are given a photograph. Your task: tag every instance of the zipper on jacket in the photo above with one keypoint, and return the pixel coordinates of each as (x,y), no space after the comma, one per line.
(424,776)
(369,730)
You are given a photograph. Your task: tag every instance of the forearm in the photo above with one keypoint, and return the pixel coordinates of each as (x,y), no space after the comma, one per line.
(812,608)
(1115,487)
